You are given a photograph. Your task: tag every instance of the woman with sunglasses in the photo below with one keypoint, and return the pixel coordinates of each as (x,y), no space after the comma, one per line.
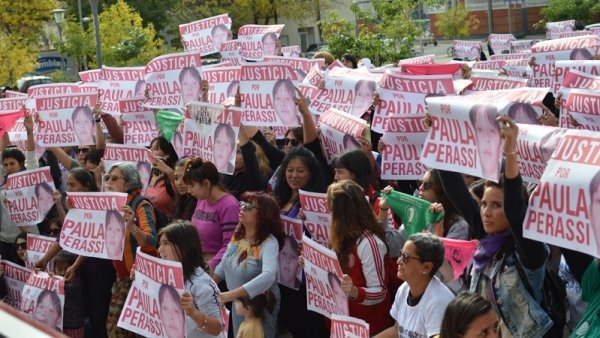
(359,242)
(97,274)
(217,211)
(250,264)
(421,301)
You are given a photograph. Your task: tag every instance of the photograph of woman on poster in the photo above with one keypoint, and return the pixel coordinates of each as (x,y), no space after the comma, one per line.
(487,134)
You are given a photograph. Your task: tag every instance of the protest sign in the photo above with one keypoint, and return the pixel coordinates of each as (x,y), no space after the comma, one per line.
(346,89)
(94,225)
(454,69)
(575,79)
(573,34)
(90,76)
(489,65)
(8,120)
(466,50)
(546,53)
(136,155)
(9,105)
(290,272)
(348,327)
(418,60)
(553,29)
(500,42)
(534,148)
(318,217)
(52,89)
(564,208)
(403,138)
(517,68)
(231,52)
(173,80)
(301,65)
(207,35)
(562,67)
(459,254)
(583,105)
(152,307)
(268,95)
(291,51)
(65,120)
(339,132)
(520,46)
(211,132)
(37,246)
(414,211)
(513,56)
(17,135)
(139,124)
(483,83)
(11,94)
(43,299)
(464,137)
(15,277)
(313,78)
(322,270)
(118,83)
(258,41)
(29,196)
(223,82)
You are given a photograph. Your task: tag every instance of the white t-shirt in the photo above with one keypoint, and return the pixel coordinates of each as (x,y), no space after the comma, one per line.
(425,319)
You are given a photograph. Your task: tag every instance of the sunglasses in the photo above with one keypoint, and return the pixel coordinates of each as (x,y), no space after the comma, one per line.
(247,206)
(425,185)
(22,245)
(112,178)
(404,257)
(83,150)
(295,142)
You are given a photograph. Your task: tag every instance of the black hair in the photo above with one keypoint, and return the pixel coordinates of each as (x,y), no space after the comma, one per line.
(356,162)
(461,312)
(350,58)
(15,154)
(316,183)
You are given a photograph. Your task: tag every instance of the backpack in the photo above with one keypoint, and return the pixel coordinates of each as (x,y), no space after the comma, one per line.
(161,219)
(554,298)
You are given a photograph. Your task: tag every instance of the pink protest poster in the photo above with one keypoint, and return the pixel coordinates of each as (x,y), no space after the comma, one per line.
(17,135)
(11,94)
(258,41)
(290,272)
(207,35)
(464,137)
(231,52)
(90,76)
(459,254)
(575,79)
(512,56)
(573,34)
(348,327)
(94,225)
(534,149)
(553,29)
(37,246)
(314,77)
(318,218)
(583,105)
(152,308)
(268,95)
(223,82)
(520,46)
(345,89)
(562,67)
(517,68)
(12,104)
(301,65)
(52,89)
(291,51)
(65,120)
(482,83)
(467,50)
(489,65)
(546,53)
(8,120)
(15,277)
(322,270)
(118,83)
(139,124)
(29,196)
(403,94)
(401,156)
(522,104)
(137,155)
(43,299)
(564,208)
(340,132)
(173,80)
(419,60)
(500,42)
(211,132)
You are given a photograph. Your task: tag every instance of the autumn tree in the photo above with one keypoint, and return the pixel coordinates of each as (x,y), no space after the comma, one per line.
(17,58)
(457,22)
(581,10)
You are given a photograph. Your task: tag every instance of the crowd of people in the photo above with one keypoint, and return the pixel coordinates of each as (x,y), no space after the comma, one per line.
(227,233)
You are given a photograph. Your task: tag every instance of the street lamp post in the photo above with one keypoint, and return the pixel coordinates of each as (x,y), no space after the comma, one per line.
(59,16)
(94,5)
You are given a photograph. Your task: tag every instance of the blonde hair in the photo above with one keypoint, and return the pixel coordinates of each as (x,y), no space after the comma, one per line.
(264,165)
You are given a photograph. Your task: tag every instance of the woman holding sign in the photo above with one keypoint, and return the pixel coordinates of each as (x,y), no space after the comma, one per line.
(359,242)
(250,265)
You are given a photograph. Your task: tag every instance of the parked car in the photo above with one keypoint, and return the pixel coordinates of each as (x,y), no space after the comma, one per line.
(25,82)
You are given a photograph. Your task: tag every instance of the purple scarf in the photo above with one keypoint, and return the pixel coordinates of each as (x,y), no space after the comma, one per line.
(488,247)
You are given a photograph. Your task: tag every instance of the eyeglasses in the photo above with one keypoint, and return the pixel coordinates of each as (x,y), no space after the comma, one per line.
(22,245)
(112,178)
(294,141)
(404,257)
(83,150)
(426,185)
(247,206)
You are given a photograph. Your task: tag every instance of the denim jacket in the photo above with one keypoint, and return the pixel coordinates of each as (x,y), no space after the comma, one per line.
(520,311)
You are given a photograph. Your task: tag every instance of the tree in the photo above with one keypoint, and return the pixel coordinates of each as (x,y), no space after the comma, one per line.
(457,22)
(581,10)
(25,19)
(17,58)
(78,44)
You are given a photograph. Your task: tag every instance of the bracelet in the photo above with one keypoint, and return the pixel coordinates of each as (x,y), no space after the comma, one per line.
(203,324)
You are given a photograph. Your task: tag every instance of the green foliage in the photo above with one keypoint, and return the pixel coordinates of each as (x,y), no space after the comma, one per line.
(17,57)
(77,44)
(457,22)
(582,10)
